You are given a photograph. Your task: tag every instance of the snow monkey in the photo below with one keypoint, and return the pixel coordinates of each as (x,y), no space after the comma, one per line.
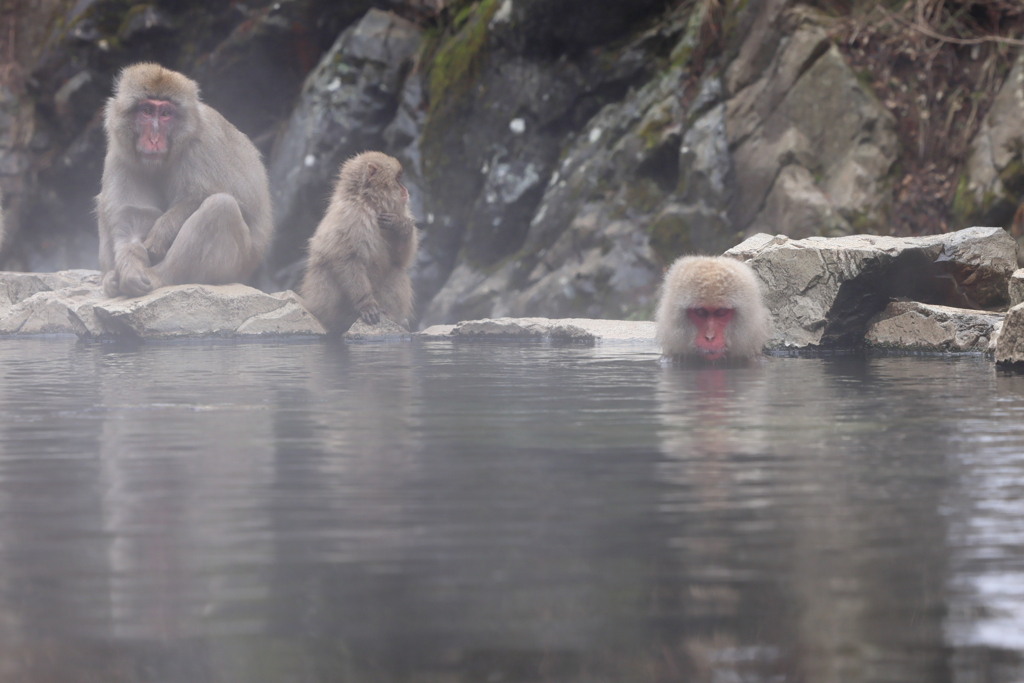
(184,196)
(359,254)
(711,308)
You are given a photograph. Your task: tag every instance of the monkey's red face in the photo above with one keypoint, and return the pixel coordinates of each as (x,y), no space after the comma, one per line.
(154,121)
(405,192)
(710,323)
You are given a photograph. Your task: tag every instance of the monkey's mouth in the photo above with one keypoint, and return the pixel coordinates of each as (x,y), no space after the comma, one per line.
(152,158)
(712,354)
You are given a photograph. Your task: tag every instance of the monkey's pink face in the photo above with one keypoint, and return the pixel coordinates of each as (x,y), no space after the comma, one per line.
(711,324)
(154,121)
(405,192)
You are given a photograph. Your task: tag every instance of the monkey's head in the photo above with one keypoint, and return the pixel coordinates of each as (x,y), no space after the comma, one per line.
(152,113)
(711,308)
(376,179)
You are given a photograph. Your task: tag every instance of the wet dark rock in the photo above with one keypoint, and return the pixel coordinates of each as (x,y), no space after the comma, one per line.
(498,148)
(566,329)
(254,74)
(822,292)
(557,26)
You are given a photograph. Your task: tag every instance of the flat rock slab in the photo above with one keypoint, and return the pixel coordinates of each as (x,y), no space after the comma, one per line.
(561,329)
(72,302)
(912,326)
(206,310)
(385,330)
(822,292)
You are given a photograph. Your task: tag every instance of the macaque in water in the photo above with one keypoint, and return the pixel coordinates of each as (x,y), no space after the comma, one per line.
(184,196)
(711,309)
(361,250)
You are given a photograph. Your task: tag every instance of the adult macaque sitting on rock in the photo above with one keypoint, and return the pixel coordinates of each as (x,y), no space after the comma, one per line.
(711,309)
(184,196)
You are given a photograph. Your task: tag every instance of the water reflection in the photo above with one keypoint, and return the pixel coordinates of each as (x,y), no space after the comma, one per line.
(423,512)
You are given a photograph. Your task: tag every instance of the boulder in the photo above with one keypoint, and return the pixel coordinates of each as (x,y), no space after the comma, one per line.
(913,326)
(1010,344)
(1017,287)
(16,287)
(822,292)
(204,311)
(49,303)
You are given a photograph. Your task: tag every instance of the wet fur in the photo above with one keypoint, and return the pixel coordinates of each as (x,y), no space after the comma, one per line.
(711,282)
(358,258)
(204,217)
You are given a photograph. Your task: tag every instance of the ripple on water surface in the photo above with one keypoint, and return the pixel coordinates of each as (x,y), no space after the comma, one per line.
(301,511)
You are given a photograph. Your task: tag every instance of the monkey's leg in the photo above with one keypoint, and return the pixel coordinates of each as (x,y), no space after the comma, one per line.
(395,296)
(324,298)
(213,247)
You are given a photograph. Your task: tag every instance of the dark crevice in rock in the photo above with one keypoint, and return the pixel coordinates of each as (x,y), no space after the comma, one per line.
(911,276)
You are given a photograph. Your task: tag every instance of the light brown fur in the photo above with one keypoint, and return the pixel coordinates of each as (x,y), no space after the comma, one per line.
(711,282)
(202,216)
(360,252)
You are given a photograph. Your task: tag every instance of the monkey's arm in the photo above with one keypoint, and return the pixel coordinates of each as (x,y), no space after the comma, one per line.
(355,281)
(166,228)
(399,231)
(128,226)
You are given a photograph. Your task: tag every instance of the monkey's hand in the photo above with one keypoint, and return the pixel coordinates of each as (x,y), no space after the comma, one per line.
(134,281)
(370,312)
(394,222)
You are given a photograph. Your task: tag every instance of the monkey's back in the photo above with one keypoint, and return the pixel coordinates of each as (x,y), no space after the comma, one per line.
(346,246)
(228,161)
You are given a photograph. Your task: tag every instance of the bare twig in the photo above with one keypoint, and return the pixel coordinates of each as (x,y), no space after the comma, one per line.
(949,39)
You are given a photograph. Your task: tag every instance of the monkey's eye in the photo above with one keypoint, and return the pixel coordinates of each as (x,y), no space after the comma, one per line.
(166,111)
(147,109)
(722,312)
(700,312)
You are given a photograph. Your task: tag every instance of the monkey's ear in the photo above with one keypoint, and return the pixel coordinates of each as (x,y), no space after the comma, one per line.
(372,170)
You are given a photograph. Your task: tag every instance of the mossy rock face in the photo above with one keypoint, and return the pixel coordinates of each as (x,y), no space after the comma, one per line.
(1012,178)
(991,208)
(457,55)
(670,236)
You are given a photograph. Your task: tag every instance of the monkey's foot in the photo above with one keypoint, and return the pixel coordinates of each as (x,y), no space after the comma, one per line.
(370,313)
(135,283)
(111,284)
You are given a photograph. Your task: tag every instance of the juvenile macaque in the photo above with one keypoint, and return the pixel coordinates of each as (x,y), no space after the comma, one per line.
(359,254)
(711,309)
(184,196)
